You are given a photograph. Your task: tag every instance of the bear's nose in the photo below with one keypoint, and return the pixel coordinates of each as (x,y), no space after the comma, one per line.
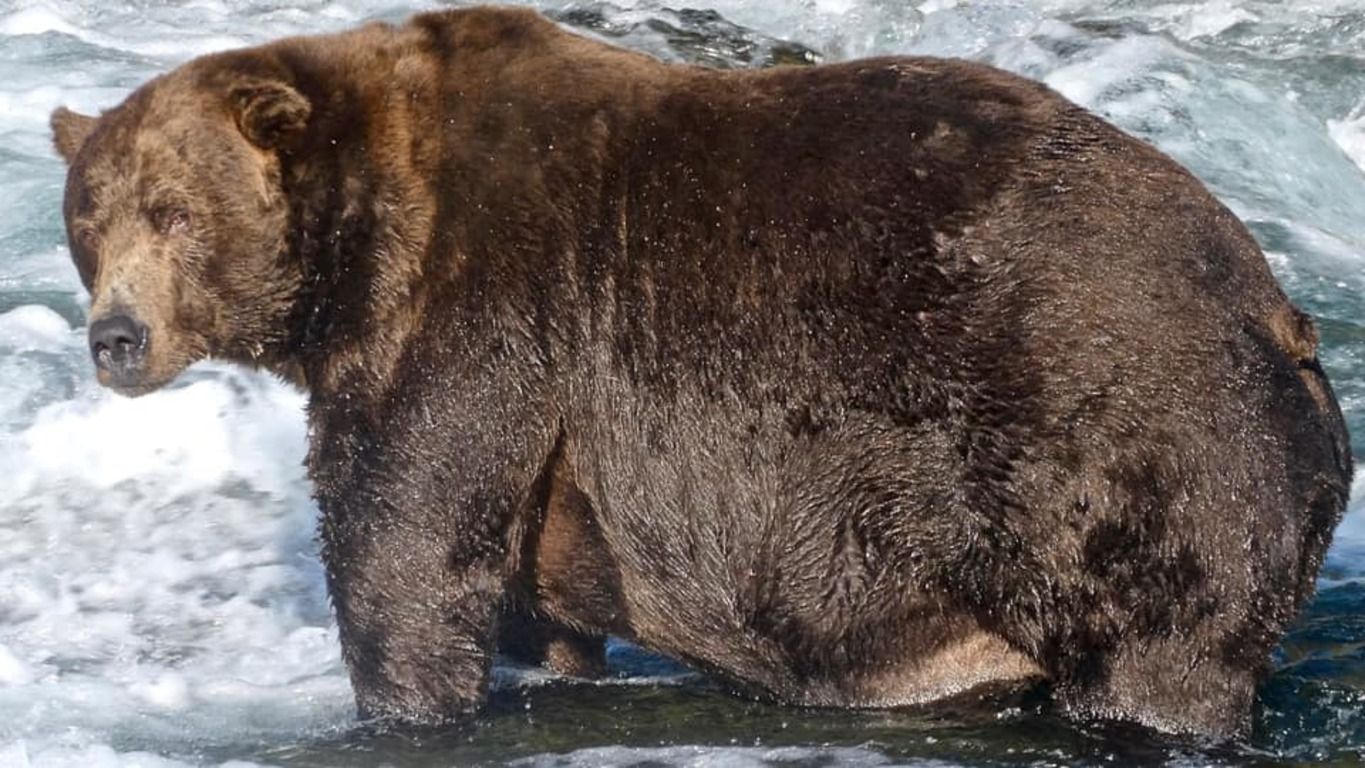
(117,343)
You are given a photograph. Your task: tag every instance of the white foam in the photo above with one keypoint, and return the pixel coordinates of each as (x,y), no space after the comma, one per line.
(1189,21)
(35,21)
(13,670)
(837,28)
(19,754)
(1349,134)
(1112,68)
(157,563)
(32,327)
(1212,18)
(1348,549)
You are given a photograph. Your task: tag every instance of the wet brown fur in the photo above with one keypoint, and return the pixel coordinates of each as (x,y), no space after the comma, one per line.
(855,385)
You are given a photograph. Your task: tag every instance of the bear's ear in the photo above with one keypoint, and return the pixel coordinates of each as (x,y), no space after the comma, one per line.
(69,131)
(269,112)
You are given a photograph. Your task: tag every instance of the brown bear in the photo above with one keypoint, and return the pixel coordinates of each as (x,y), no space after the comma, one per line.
(855,385)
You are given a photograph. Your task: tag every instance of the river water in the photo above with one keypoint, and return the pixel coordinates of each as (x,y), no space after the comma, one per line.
(161,602)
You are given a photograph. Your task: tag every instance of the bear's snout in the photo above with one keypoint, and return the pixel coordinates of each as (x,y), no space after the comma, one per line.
(118,343)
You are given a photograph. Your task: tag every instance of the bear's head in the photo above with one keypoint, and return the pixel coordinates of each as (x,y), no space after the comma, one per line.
(177,221)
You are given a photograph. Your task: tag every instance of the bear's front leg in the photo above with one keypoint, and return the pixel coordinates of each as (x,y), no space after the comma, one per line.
(415,616)
(413,529)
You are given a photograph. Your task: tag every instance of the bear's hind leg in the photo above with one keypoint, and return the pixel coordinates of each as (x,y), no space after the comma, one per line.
(566,592)
(540,642)
(1163,684)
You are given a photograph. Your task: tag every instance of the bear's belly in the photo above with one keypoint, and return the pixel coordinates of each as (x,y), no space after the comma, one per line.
(973,662)
(904,666)
(808,568)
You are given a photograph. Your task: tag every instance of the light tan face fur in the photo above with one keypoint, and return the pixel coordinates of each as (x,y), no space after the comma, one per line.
(176,223)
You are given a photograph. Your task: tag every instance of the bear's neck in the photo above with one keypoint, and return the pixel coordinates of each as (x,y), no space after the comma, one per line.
(434,184)
(358,232)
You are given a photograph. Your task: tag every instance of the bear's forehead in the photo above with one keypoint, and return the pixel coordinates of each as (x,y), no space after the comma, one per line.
(135,154)
(115,172)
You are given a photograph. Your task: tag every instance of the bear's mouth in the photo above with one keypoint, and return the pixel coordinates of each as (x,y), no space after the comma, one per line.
(134,383)
(136,388)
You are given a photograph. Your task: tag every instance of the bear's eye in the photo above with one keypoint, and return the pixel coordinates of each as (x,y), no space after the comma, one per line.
(172,221)
(88,238)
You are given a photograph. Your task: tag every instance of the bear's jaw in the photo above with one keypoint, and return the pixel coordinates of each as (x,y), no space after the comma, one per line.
(134,389)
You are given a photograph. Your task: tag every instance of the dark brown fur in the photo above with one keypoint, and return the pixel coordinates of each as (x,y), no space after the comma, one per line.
(855,385)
